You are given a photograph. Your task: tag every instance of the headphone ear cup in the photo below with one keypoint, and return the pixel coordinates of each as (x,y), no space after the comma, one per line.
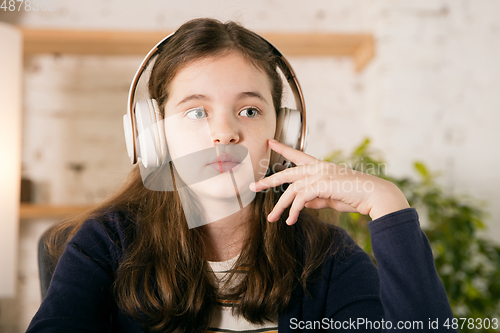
(273,163)
(288,131)
(160,132)
(129,136)
(148,134)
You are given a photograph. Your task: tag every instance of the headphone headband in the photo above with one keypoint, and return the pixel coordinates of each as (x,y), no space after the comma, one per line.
(283,64)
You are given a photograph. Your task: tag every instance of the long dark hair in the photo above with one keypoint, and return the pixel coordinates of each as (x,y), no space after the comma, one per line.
(164,279)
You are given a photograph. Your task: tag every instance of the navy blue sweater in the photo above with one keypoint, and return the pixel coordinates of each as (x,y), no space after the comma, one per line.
(404,294)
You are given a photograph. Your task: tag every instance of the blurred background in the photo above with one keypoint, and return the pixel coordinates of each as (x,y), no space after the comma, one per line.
(429,92)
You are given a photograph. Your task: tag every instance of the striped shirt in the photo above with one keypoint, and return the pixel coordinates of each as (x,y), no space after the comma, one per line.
(223,320)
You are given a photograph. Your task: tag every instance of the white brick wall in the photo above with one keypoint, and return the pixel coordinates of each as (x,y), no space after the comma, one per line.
(73,139)
(431,93)
(434,92)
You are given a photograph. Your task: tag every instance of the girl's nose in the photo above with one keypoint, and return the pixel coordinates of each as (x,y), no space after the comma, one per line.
(224,130)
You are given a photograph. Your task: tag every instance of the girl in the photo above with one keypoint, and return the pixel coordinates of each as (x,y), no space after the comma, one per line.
(186,260)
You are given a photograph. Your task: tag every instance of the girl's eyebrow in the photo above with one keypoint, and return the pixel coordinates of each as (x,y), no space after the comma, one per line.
(252,94)
(241,95)
(194,97)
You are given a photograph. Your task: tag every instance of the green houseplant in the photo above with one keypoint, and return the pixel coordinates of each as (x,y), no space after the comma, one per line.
(468,265)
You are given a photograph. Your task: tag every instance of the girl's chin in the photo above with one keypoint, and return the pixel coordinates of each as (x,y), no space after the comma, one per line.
(222,189)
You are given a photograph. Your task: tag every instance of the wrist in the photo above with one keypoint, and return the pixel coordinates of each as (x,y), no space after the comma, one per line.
(391,201)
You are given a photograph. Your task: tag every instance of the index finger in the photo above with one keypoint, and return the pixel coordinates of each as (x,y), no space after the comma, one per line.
(294,155)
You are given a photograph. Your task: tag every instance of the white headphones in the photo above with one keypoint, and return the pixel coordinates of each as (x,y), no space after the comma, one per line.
(145,137)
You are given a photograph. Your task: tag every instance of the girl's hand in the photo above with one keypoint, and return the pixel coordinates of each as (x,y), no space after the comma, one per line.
(319,184)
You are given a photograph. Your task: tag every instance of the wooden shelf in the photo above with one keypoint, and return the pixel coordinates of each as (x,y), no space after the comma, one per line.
(34,211)
(361,47)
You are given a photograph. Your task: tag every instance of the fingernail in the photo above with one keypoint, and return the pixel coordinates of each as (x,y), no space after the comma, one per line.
(269,216)
(273,141)
(252,187)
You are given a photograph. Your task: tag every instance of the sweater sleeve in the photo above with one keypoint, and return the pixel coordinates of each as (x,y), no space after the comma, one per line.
(79,297)
(410,288)
(406,294)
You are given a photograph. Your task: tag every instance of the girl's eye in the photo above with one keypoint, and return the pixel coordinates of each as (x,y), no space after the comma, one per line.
(250,112)
(196,113)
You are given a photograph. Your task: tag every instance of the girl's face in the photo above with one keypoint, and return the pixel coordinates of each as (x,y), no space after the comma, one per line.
(218,118)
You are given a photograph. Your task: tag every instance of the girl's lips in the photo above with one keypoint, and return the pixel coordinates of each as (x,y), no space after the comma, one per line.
(225,157)
(225,166)
(225,162)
